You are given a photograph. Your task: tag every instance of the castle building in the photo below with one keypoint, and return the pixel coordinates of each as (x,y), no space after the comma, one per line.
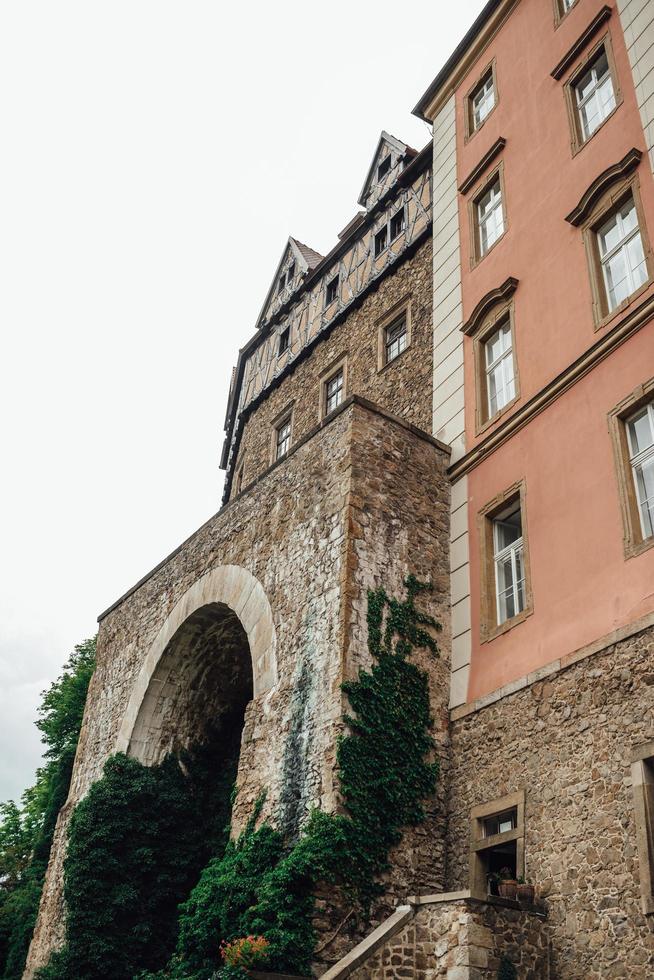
(462,389)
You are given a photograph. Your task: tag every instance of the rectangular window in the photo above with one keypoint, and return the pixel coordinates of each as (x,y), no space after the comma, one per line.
(396,338)
(621,254)
(505,590)
(497,837)
(381,240)
(334,391)
(490,216)
(482,101)
(281,282)
(397,224)
(509,563)
(290,276)
(594,95)
(284,340)
(331,291)
(283,437)
(640,435)
(500,373)
(383,168)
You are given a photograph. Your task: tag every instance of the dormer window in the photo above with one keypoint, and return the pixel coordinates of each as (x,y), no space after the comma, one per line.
(290,275)
(381,240)
(284,341)
(282,282)
(383,168)
(331,291)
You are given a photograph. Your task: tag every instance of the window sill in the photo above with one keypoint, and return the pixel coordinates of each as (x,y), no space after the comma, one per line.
(482,427)
(495,631)
(481,125)
(475,260)
(635,548)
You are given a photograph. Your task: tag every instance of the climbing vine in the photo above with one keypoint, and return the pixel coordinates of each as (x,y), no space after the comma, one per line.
(122,884)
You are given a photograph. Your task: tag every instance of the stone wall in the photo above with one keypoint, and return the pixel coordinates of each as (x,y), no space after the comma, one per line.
(403,387)
(315,532)
(567,741)
(463,939)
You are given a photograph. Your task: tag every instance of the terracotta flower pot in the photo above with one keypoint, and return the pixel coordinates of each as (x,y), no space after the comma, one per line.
(508,888)
(526,894)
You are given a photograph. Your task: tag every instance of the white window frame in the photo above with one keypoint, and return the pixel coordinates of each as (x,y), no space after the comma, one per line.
(396,336)
(334,396)
(283,441)
(636,460)
(479,100)
(621,248)
(598,82)
(495,193)
(512,551)
(503,328)
(335,280)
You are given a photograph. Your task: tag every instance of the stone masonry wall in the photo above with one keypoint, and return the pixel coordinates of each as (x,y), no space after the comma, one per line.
(295,530)
(403,387)
(463,940)
(567,740)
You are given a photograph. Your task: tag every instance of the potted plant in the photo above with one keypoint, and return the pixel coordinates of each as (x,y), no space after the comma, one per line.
(526,892)
(508,884)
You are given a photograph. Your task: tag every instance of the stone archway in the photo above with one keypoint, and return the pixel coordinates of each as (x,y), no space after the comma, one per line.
(213,654)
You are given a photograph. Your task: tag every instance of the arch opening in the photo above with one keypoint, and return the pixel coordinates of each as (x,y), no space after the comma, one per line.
(199,688)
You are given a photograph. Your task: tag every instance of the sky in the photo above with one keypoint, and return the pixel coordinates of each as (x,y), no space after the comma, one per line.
(155,157)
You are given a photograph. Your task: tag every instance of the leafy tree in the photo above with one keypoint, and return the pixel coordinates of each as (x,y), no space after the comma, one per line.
(26,831)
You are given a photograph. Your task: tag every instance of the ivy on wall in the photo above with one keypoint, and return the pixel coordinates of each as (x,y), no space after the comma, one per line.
(134,853)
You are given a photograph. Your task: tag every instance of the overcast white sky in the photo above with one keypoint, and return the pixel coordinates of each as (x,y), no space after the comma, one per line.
(155,157)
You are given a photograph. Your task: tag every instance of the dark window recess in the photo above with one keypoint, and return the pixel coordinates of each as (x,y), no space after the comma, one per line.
(332,290)
(381,239)
(383,168)
(499,862)
(281,283)
(284,340)
(397,224)
(290,275)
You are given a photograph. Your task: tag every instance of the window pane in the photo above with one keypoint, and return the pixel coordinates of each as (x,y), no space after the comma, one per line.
(507,530)
(395,339)
(615,277)
(636,260)
(483,101)
(641,435)
(334,392)
(490,217)
(609,235)
(506,602)
(644,475)
(594,94)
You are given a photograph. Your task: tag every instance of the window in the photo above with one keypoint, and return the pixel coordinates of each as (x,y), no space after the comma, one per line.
(561,8)
(642,781)
(334,391)
(631,424)
(397,224)
(396,338)
(480,101)
(592,93)
(640,434)
(499,369)
(381,239)
(283,437)
(483,101)
(497,839)
(383,168)
(621,254)
(490,217)
(505,588)
(290,275)
(331,291)
(281,283)
(509,563)
(284,340)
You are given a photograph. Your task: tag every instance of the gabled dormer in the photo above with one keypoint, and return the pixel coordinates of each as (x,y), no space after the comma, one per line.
(391,156)
(297,261)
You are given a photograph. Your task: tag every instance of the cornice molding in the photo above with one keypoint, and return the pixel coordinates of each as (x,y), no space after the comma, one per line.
(485,161)
(492,298)
(610,176)
(575,50)
(605,346)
